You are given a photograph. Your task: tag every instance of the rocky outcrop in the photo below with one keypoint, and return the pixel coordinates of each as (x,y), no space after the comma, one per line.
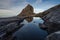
(9,25)
(27,11)
(54,36)
(38,15)
(5,21)
(42,14)
(53,12)
(52,19)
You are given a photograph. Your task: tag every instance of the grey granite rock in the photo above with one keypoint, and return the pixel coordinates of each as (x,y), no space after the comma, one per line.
(52,19)
(54,36)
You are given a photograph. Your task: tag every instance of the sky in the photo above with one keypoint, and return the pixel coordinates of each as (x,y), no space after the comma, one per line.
(14,7)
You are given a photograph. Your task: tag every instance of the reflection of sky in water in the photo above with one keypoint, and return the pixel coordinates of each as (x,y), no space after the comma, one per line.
(30,31)
(36,20)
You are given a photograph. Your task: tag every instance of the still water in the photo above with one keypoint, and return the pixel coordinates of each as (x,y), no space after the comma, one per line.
(35,20)
(31,31)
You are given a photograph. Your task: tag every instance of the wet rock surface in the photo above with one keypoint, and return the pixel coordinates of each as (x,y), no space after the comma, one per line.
(10,25)
(54,36)
(52,19)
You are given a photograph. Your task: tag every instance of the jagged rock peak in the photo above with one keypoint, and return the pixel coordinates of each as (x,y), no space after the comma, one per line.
(28,10)
(29,6)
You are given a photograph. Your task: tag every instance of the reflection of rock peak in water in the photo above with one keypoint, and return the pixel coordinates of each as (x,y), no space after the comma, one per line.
(27,11)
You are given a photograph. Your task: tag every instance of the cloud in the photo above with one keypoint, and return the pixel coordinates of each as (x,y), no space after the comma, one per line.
(11,12)
(34,2)
(38,10)
(14,7)
(6,13)
(6,4)
(38,2)
(8,7)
